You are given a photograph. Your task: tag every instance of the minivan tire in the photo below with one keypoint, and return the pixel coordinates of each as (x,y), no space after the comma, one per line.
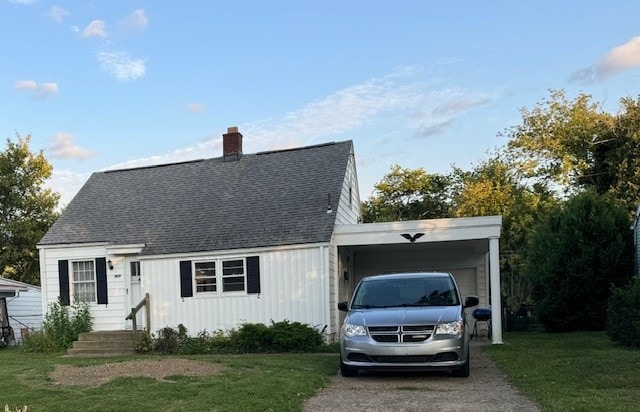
(463,371)
(347,371)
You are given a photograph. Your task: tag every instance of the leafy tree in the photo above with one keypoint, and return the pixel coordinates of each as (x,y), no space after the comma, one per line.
(27,209)
(577,145)
(493,188)
(576,256)
(617,159)
(409,194)
(556,140)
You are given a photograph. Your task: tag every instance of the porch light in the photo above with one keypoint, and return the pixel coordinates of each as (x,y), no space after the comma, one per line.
(110,264)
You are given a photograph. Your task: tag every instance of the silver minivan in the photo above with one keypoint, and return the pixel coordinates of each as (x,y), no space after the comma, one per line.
(406,321)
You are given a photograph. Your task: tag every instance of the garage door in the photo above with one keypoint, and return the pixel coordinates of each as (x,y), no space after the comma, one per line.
(467,281)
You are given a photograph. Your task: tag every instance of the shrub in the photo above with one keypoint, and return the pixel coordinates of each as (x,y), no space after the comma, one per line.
(253,338)
(198,345)
(169,340)
(249,338)
(294,337)
(60,328)
(574,259)
(623,322)
(144,343)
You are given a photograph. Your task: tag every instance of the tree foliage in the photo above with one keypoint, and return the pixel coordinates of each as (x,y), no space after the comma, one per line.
(493,188)
(562,148)
(556,139)
(623,315)
(409,194)
(576,256)
(27,209)
(577,145)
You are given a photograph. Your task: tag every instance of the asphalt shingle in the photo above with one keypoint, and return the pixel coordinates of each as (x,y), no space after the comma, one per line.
(264,199)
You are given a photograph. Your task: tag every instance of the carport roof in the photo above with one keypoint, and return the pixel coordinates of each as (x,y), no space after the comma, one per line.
(421,231)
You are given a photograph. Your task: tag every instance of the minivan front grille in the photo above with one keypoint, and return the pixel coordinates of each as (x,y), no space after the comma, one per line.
(402,334)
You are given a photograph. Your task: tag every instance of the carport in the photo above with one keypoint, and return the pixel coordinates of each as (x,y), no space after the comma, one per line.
(466,247)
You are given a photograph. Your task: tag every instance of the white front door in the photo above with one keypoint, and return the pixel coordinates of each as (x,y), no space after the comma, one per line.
(134,291)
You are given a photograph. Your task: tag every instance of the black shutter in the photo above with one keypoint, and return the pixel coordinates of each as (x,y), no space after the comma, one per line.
(101,280)
(186,283)
(253,274)
(63,279)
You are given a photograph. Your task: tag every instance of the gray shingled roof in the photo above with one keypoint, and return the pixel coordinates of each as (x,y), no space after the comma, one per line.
(264,199)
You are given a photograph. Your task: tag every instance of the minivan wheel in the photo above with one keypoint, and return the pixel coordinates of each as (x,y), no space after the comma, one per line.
(347,371)
(463,371)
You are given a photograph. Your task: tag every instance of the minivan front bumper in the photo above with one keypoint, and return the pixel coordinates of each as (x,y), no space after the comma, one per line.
(436,353)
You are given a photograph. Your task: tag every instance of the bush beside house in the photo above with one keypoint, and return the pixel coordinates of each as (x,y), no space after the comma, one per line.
(623,322)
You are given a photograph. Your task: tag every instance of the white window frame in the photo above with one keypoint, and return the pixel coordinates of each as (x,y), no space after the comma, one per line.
(220,277)
(205,280)
(135,269)
(75,282)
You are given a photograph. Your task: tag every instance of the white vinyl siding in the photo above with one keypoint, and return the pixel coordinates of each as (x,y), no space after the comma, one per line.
(25,308)
(294,286)
(349,205)
(105,317)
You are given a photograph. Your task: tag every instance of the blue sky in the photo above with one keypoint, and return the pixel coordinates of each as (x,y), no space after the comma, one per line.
(111,83)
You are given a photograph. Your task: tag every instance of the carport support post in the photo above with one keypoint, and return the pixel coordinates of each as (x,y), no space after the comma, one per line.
(494,276)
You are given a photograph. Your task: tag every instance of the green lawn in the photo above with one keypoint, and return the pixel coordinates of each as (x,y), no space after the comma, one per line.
(580,371)
(562,372)
(248,383)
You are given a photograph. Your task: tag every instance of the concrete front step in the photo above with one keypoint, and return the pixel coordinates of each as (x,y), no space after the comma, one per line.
(103,343)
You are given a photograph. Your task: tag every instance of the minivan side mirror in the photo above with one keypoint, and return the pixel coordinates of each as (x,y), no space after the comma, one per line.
(344,306)
(471,301)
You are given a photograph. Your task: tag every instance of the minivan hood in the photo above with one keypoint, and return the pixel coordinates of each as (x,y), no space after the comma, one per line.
(404,315)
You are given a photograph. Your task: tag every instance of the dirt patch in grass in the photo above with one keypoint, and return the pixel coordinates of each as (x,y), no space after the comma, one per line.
(158,369)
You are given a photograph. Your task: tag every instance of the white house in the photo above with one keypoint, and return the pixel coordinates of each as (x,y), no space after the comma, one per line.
(20,308)
(241,238)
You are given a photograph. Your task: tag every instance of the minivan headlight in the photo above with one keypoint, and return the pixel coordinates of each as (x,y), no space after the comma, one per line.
(450,328)
(350,330)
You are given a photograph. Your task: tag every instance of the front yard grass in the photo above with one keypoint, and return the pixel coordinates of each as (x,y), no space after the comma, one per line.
(580,371)
(248,382)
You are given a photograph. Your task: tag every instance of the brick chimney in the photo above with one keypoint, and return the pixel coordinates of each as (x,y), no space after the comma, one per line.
(232,145)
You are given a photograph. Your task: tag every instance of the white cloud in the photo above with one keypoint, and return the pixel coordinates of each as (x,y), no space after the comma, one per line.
(40,91)
(619,59)
(67,184)
(396,98)
(434,128)
(398,101)
(135,21)
(25,85)
(94,29)
(195,107)
(58,14)
(74,29)
(63,147)
(120,65)
(22,2)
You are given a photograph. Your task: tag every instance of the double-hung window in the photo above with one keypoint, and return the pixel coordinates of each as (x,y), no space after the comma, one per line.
(205,275)
(220,276)
(233,275)
(83,281)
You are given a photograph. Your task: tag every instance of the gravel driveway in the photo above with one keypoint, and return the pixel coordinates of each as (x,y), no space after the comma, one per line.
(487,389)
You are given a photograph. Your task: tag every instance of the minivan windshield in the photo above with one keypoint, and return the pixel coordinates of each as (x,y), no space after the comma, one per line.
(410,291)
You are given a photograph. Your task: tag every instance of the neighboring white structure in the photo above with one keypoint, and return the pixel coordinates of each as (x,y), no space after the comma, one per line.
(23,303)
(636,241)
(240,238)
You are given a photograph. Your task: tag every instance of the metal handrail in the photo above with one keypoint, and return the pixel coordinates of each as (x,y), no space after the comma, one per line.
(134,311)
